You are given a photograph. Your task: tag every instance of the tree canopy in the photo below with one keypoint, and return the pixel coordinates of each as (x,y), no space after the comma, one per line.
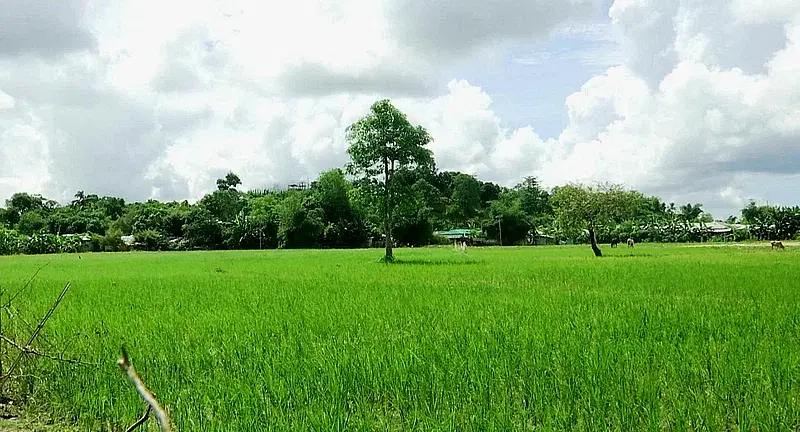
(382,144)
(579,207)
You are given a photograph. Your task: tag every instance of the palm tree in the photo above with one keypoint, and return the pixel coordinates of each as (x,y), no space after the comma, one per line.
(80,199)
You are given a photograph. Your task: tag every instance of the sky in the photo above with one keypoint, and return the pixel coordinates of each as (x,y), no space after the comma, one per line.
(693,101)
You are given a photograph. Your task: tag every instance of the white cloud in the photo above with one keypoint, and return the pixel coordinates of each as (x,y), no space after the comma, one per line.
(704,123)
(594,45)
(6,101)
(43,28)
(113,98)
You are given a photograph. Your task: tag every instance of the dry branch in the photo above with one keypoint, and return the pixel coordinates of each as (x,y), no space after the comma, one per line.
(47,356)
(127,367)
(140,421)
(39,328)
(29,281)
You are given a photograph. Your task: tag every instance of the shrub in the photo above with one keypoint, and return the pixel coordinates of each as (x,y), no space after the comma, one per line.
(150,240)
(97,243)
(10,242)
(38,244)
(112,242)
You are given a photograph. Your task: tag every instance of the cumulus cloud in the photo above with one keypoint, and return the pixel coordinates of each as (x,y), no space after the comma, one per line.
(710,100)
(446,28)
(43,28)
(309,79)
(702,102)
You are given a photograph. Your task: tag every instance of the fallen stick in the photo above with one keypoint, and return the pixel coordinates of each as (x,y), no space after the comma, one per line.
(125,364)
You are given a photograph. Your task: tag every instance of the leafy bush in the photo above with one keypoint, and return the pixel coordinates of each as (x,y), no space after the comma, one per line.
(96,244)
(38,244)
(150,240)
(440,240)
(112,242)
(10,242)
(70,244)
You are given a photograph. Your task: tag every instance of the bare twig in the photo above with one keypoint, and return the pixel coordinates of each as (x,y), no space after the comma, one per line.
(140,421)
(47,356)
(35,334)
(125,364)
(29,326)
(29,281)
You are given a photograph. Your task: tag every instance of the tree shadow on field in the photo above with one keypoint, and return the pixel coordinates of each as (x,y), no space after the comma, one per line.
(631,255)
(435,262)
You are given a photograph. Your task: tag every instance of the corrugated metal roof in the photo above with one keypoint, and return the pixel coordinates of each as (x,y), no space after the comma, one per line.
(457,231)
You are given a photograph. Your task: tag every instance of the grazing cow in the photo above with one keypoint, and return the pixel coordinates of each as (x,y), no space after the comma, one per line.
(630,242)
(614,243)
(777,244)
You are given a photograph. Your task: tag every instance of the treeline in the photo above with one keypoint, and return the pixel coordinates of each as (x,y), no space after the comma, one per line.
(391,184)
(332,213)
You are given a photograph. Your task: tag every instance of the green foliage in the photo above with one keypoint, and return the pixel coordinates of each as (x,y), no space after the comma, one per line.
(150,240)
(691,212)
(202,229)
(465,199)
(415,230)
(229,182)
(96,243)
(380,145)
(489,192)
(330,193)
(580,207)
(593,208)
(10,242)
(38,244)
(264,220)
(301,225)
(72,220)
(31,222)
(112,241)
(8,217)
(23,202)
(508,217)
(772,222)
(224,205)
(534,200)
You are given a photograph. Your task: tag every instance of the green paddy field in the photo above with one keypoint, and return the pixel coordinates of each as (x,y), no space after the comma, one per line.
(535,338)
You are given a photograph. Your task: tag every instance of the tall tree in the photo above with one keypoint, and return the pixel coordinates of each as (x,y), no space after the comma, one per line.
(344,227)
(264,219)
(23,202)
(592,207)
(690,212)
(381,144)
(465,200)
(535,201)
(80,197)
(508,223)
(230,181)
(226,202)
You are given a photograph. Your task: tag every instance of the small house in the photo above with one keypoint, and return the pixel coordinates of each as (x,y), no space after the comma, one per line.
(458,235)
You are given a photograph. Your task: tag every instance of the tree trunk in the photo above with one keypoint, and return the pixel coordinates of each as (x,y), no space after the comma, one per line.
(593,239)
(387,225)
